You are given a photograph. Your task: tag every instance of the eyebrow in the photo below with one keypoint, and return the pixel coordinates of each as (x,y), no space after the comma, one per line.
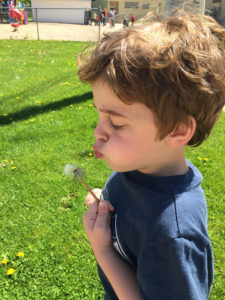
(111,112)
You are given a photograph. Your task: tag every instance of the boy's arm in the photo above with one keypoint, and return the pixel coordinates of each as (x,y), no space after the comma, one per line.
(120,275)
(179,268)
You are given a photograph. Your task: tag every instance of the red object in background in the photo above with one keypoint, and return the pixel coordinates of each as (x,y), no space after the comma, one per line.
(15,14)
(15,24)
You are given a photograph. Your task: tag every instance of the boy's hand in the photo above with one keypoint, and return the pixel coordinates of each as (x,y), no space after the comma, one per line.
(90,199)
(97,225)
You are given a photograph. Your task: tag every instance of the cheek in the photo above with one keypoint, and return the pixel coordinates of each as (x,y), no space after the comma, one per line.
(122,147)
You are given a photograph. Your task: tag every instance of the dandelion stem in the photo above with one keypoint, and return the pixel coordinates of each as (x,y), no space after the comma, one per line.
(87,187)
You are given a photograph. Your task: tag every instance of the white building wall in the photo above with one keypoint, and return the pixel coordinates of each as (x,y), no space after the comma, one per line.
(68,11)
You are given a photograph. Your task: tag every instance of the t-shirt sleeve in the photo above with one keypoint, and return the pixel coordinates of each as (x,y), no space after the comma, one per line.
(174,270)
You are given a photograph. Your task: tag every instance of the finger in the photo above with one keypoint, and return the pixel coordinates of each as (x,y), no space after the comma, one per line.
(90,216)
(110,206)
(92,210)
(97,192)
(90,199)
(102,220)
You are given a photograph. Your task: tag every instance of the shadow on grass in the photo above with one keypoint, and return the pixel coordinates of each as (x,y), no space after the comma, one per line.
(29,111)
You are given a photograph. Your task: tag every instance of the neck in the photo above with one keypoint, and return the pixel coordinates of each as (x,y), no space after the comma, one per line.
(170,165)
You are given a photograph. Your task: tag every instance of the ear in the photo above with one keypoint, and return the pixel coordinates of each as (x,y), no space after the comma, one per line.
(183,134)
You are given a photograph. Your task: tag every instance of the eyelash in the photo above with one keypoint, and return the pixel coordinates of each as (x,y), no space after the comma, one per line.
(116,127)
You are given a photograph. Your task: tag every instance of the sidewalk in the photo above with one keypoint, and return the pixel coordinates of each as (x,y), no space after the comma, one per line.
(55,31)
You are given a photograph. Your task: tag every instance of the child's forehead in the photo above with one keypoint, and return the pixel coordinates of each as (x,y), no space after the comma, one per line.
(107,102)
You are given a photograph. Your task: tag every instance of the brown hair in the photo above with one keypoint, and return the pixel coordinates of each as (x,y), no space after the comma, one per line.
(176,67)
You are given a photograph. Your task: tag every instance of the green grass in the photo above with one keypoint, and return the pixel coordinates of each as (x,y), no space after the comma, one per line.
(46,121)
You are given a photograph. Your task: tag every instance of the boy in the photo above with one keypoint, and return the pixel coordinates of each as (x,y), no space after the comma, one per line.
(157,88)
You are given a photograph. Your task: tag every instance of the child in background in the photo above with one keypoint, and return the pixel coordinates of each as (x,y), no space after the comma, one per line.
(125,22)
(132,19)
(111,17)
(96,20)
(157,88)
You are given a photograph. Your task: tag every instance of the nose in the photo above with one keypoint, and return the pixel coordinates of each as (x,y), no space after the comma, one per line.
(100,133)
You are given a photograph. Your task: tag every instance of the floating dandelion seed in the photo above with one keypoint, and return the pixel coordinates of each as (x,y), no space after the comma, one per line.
(77,173)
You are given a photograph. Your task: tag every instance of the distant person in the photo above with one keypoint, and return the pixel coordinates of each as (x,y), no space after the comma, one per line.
(132,18)
(104,16)
(125,22)
(158,88)
(111,17)
(96,20)
(100,17)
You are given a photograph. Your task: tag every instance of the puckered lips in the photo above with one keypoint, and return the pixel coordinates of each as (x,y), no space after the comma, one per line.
(97,153)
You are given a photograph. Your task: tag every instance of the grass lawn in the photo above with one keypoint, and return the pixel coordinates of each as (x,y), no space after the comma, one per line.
(46,121)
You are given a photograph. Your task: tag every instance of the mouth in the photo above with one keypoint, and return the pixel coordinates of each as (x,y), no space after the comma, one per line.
(97,153)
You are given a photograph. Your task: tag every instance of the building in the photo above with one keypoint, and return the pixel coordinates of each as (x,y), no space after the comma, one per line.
(216,8)
(126,7)
(60,11)
(75,11)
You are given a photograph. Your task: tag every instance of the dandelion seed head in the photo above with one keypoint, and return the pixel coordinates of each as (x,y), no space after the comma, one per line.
(73,170)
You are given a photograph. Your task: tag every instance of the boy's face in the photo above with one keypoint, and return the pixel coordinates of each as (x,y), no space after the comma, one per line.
(125,134)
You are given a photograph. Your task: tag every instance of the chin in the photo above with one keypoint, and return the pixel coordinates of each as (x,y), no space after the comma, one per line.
(120,169)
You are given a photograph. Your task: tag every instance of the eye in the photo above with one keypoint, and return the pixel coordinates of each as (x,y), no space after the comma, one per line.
(116,127)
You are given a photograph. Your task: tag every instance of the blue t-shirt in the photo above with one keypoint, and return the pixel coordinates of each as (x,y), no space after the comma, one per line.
(159,227)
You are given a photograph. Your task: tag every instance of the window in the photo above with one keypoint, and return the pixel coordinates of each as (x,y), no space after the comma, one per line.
(131,4)
(145,5)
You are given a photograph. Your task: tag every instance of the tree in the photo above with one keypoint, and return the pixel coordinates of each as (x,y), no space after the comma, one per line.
(27,2)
